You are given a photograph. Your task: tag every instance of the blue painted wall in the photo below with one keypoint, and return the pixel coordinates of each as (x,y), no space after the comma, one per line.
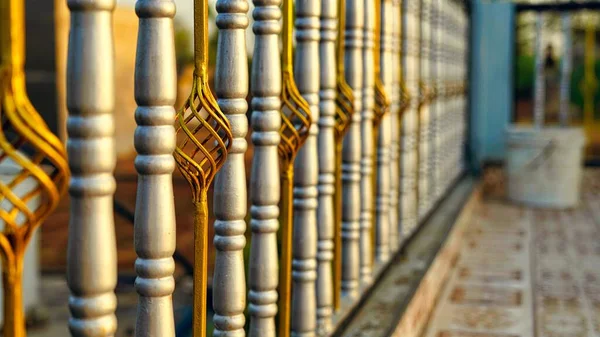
(491,79)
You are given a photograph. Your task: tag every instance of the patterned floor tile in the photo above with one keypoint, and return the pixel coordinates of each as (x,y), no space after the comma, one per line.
(489,275)
(526,272)
(486,295)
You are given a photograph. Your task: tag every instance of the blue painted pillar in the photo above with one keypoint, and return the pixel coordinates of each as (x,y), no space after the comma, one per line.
(491,79)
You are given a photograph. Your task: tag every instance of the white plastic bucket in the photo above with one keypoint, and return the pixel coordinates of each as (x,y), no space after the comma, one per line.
(543,166)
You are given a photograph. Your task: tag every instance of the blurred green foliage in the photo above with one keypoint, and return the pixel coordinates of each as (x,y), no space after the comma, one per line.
(524,76)
(576,86)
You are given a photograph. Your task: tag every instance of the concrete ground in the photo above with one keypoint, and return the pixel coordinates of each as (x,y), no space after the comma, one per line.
(526,272)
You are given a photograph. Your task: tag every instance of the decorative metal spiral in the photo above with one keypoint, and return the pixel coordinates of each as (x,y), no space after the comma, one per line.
(207,137)
(382,100)
(29,151)
(295,119)
(344,98)
(206,141)
(405,97)
(295,124)
(343,103)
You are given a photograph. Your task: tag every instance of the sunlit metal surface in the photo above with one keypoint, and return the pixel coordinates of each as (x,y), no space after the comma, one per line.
(424,111)
(92,251)
(382,127)
(327,164)
(351,153)
(230,198)
(155,93)
(306,165)
(265,186)
(409,151)
(344,109)
(396,96)
(367,145)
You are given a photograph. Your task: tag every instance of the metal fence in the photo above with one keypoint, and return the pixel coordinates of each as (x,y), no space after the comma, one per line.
(358,130)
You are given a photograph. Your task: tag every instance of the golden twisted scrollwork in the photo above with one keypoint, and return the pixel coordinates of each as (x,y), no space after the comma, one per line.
(206,140)
(382,100)
(30,153)
(295,124)
(405,98)
(207,137)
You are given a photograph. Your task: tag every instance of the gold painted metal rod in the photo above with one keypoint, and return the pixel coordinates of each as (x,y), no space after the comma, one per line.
(201,215)
(286,35)
(207,140)
(12,35)
(340,37)
(285,271)
(12,286)
(201,37)
(200,264)
(12,44)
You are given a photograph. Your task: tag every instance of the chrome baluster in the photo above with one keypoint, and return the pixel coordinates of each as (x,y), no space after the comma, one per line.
(306,166)
(351,152)
(325,211)
(386,228)
(434,105)
(409,164)
(424,117)
(367,146)
(230,198)
(395,42)
(381,137)
(344,109)
(155,94)
(265,186)
(92,250)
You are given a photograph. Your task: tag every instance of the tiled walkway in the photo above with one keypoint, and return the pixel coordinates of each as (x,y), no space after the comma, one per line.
(525,272)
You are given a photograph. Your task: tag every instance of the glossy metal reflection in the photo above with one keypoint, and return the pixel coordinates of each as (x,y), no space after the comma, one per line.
(344,109)
(230,197)
(92,250)
(326,152)
(382,131)
(154,140)
(306,166)
(265,188)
